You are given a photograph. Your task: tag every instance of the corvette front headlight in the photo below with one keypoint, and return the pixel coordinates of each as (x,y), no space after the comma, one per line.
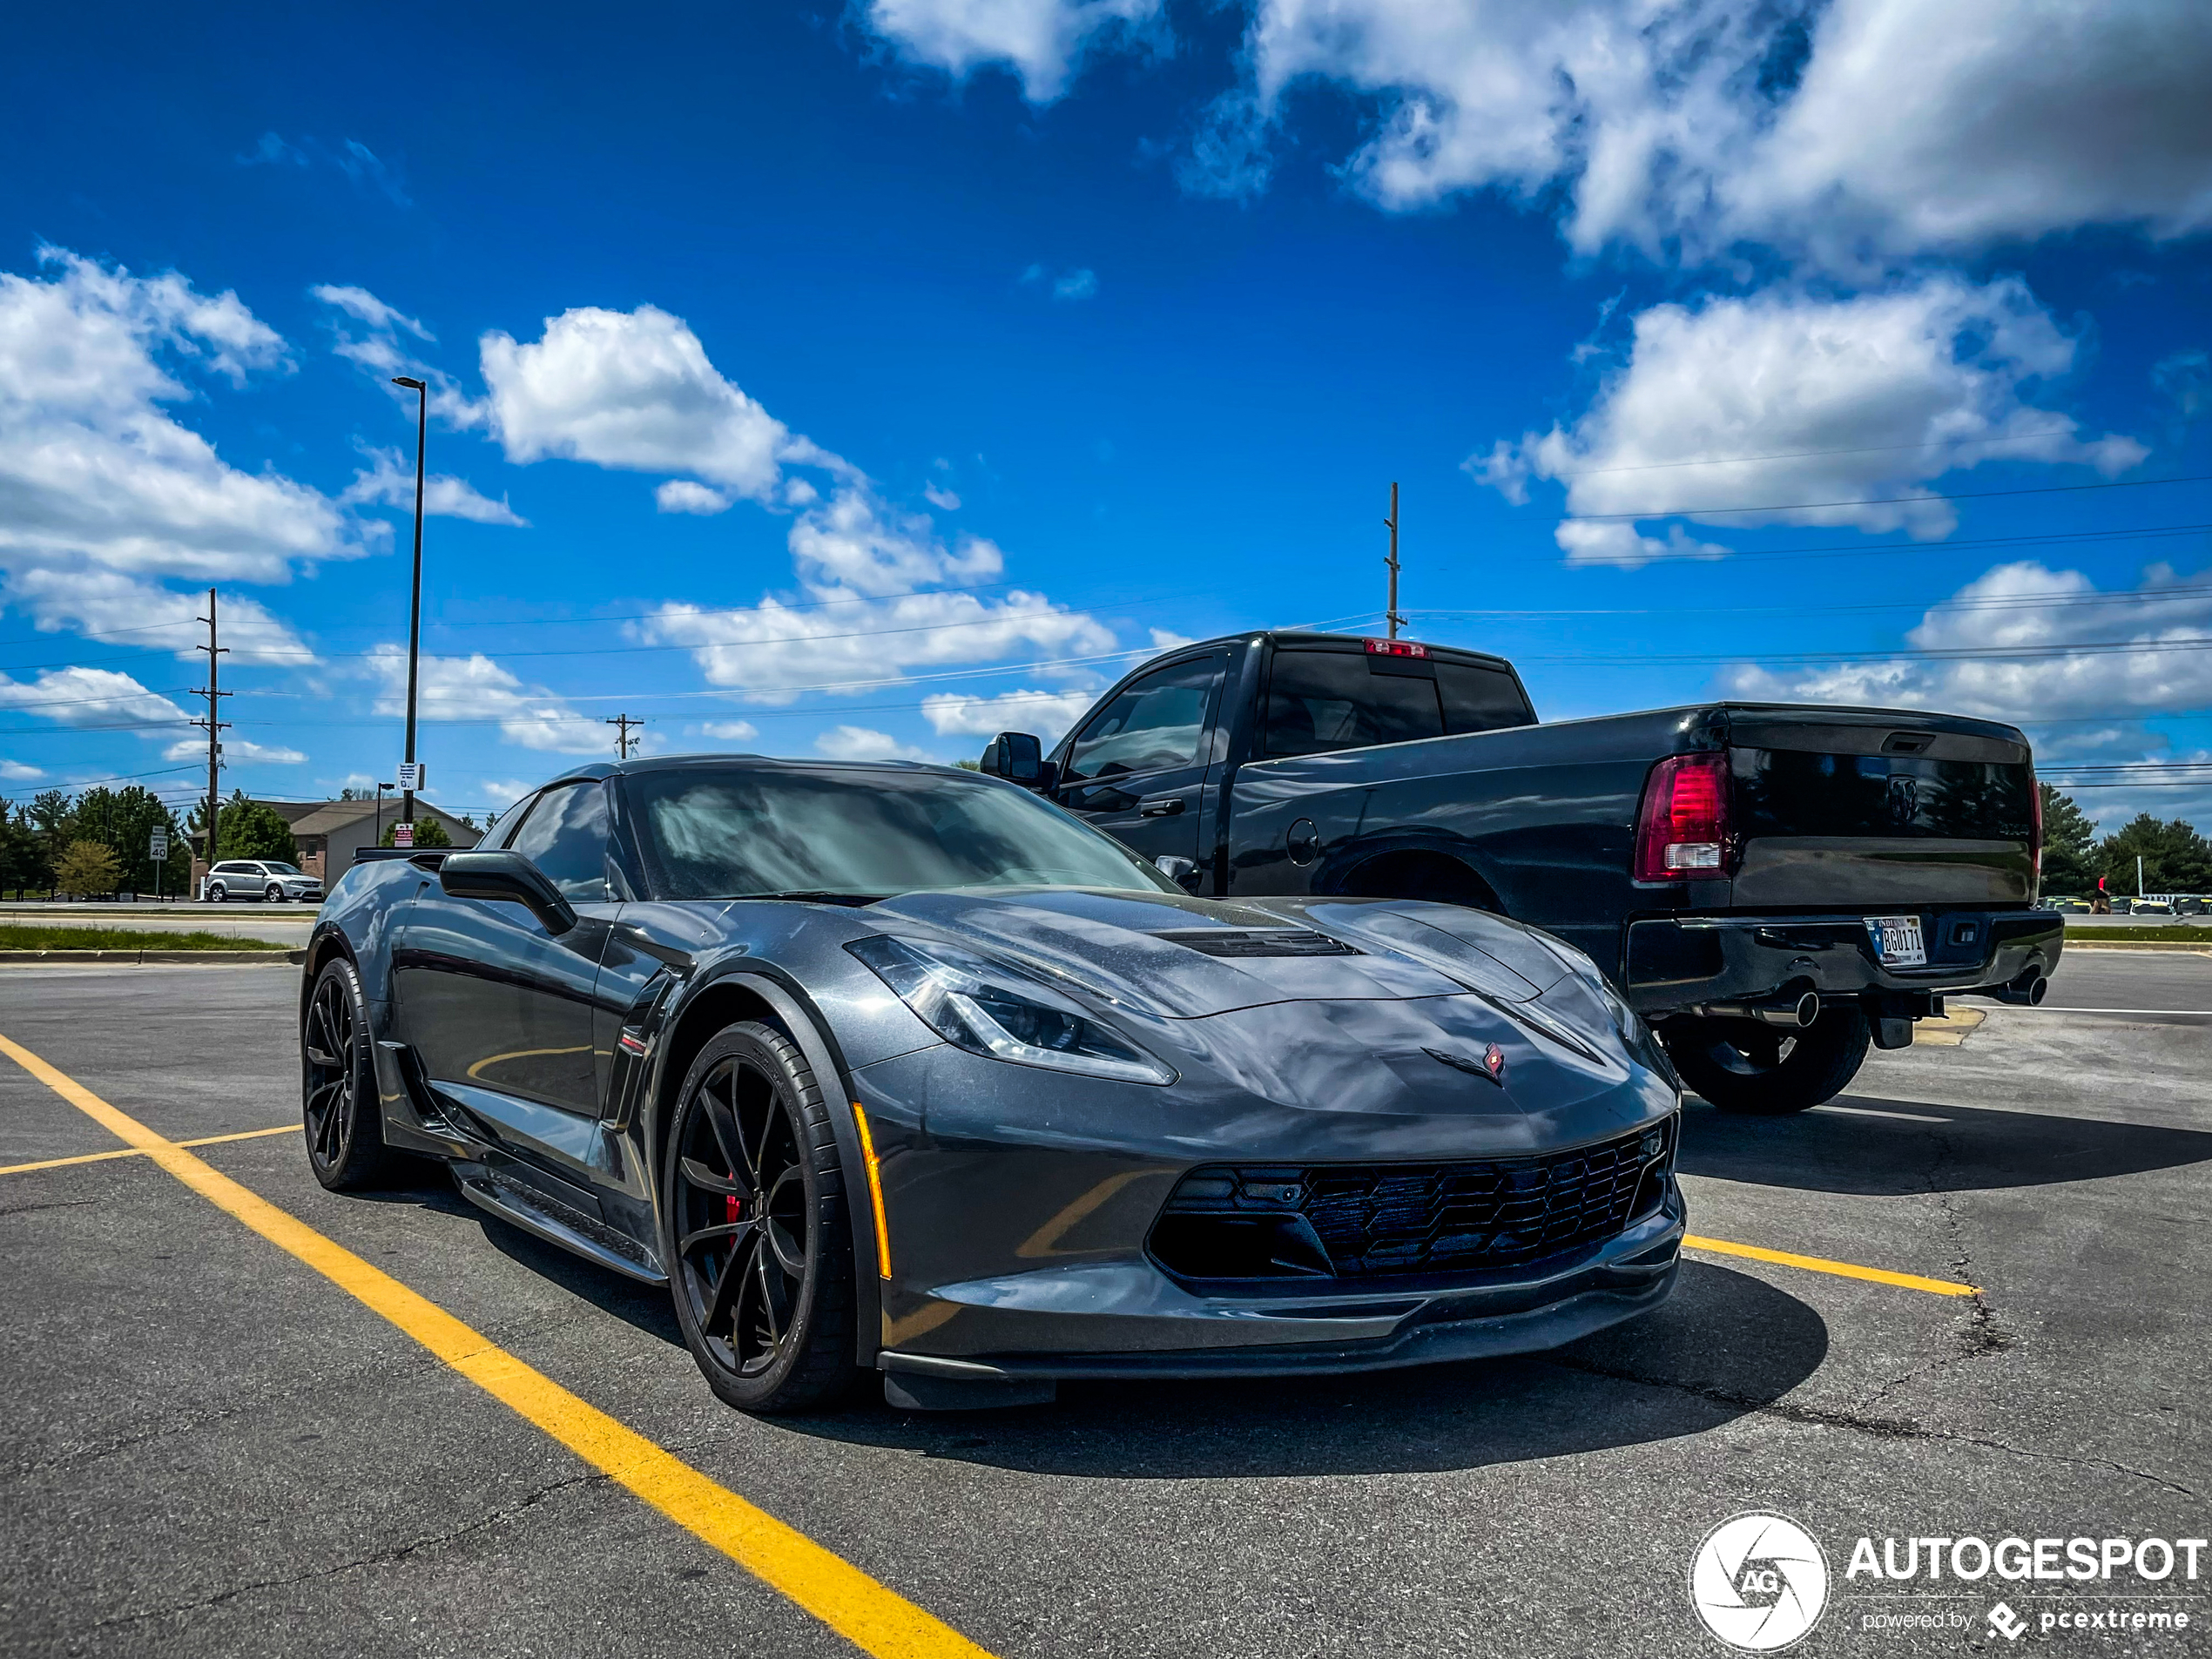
(987,1008)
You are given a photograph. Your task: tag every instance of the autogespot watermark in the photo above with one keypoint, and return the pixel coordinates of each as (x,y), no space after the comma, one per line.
(1761,1583)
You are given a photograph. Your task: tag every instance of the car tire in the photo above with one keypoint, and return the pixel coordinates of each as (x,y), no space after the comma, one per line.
(339,1110)
(1743,1066)
(751,1158)
(217,892)
(273,894)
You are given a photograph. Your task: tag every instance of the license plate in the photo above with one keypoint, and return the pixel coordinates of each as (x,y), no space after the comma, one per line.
(1897,941)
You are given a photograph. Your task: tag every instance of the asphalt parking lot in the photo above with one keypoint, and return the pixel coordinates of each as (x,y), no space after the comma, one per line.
(211,1448)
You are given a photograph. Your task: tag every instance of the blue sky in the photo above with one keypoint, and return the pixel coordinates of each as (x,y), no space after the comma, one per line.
(807,376)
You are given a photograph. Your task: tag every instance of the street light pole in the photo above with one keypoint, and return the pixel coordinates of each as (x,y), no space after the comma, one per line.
(415,604)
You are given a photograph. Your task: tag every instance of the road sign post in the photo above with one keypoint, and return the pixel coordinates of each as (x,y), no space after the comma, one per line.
(157,850)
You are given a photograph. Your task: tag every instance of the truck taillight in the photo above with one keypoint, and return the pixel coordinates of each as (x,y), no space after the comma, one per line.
(2035,826)
(1683,830)
(1394,648)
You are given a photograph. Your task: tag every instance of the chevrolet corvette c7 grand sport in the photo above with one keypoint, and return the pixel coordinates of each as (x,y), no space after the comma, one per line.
(895,1069)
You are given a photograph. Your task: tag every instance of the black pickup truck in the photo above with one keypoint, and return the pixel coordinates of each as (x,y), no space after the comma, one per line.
(1772,885)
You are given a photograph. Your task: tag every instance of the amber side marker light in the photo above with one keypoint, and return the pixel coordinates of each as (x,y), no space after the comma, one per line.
(875,1192)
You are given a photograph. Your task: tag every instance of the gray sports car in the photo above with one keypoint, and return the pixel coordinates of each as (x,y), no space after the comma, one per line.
(897,1069)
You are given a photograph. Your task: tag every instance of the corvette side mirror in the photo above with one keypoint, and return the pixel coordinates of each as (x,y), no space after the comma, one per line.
(507,878)
(1018,757)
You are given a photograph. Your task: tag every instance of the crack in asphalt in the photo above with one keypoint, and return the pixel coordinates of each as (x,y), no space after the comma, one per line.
(1984,1336)
(395,1553)
(1895,1428)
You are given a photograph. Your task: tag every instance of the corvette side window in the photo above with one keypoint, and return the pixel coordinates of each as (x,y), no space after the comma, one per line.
(1156,722)
(565,835)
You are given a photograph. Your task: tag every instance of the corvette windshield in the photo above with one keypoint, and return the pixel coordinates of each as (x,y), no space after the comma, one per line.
(749,832)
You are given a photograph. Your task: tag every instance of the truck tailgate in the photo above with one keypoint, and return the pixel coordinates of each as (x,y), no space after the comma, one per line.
(1864,807)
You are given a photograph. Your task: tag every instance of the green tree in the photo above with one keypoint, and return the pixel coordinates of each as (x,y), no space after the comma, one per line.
(53,820)
(23,859)
(428,832)
(87,866)
(124,821)
(2175,857)
(247,829)
(2069,845)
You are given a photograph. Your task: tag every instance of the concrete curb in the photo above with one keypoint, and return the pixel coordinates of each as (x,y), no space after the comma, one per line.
(2073,945)
(151,958)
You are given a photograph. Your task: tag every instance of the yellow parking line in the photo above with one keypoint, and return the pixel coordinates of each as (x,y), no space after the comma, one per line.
(1841,1270)
(139,1152)
(874,1619)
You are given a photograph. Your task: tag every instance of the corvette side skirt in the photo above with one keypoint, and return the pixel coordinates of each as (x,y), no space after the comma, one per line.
(490,1187)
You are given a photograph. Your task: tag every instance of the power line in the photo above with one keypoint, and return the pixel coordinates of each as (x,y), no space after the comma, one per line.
(1805,455)
(1882,501)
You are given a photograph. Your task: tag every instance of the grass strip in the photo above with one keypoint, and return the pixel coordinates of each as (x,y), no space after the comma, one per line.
(17,938)
(2180,934)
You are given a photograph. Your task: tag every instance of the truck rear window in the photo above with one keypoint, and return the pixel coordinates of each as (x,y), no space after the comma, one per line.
(1320,700)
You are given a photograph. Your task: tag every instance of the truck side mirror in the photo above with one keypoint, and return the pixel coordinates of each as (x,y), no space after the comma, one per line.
(1018,757)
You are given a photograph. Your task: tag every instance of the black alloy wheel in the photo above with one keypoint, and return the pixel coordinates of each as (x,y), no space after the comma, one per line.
(345,1128)
(1743,1065)
(754,1227)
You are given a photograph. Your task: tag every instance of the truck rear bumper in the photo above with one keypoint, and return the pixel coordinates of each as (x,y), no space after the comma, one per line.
(1677,963)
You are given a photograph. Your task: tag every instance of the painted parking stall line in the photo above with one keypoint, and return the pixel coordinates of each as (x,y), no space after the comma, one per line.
(1839,1269)
(139,1151)
(872,1617)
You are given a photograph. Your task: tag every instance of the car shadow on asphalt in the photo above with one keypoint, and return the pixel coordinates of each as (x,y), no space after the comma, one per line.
(1724,1343)
(1886,1147)
(646,1307)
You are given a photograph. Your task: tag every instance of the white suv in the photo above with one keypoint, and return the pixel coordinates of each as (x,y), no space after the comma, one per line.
(263,878)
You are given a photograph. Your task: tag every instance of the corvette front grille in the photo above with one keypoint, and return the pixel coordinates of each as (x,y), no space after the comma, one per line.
(1362,1221)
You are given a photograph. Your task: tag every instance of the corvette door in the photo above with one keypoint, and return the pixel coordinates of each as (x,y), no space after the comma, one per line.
(499,1009)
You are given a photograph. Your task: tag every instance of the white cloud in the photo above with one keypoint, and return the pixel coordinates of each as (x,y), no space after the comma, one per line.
(380,353)
(235,749)
(2186,377)
(388,480)
(364,307)
(634,389)
(83,698)
(1879,127)
(858,743)
(14,772)
(2027,608)
(772,651)
(1168,639)
(1826,410)
(943,500)
(1047,713)
(1039,40)
(1075,285)
(683,495)
(94,601)
(729,730)
(93,471)
(476,688)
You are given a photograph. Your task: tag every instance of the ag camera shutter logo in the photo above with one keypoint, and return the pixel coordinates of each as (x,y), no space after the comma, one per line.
(1759,1581)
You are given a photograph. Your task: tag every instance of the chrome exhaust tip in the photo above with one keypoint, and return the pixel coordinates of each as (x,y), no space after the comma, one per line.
(2028,990)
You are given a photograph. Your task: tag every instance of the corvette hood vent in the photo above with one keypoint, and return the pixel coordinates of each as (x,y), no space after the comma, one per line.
(1259,941)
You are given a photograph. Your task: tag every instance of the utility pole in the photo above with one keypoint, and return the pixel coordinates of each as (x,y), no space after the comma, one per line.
(214,722)
(414,605)
(1390,614)
(623,739)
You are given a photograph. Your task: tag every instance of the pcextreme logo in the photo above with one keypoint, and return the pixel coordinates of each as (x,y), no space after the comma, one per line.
(1759,1581)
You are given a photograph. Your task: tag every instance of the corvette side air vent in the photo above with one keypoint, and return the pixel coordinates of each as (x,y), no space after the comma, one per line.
(1259,941)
